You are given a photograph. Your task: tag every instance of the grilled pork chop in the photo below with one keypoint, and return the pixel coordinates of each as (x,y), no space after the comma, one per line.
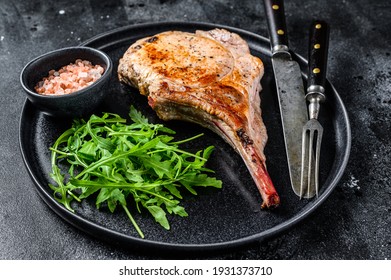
(209,78)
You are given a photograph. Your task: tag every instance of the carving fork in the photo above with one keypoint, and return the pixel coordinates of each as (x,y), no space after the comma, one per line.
(313,130)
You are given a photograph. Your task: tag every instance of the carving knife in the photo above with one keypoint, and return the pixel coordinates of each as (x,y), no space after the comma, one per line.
(290,89)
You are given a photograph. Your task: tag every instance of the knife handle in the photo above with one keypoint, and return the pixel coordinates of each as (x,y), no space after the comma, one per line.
(317,57)
(275,16)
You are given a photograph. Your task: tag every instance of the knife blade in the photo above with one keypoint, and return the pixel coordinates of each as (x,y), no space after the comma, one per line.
(290,89)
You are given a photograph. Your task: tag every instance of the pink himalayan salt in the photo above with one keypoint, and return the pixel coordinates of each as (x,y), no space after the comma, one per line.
(70,78)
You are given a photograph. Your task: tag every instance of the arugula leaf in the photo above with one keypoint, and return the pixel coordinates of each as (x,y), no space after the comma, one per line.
(137,117)
(159,215)
(117,162)
(88,150)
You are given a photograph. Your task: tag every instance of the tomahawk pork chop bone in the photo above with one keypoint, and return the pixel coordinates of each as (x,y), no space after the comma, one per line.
(209,78)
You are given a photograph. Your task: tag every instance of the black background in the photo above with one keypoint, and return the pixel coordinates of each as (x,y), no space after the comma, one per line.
(354,223)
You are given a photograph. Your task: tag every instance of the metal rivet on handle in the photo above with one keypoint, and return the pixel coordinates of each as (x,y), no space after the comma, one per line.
(275,7)
(318,26)
(316,71)
(317,46)
(280,32)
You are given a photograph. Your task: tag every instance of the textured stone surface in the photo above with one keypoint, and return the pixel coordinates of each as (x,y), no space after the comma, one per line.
(354,223)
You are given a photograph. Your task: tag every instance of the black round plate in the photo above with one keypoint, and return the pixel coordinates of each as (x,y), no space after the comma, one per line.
(218,218)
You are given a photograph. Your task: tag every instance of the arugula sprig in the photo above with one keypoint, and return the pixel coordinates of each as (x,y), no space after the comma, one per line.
(119,162)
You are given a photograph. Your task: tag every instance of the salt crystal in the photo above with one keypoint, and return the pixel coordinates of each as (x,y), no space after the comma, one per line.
(83,75)
(1,38)
(61,12)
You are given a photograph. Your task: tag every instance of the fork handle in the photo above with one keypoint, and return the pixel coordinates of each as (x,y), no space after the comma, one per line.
(317,61)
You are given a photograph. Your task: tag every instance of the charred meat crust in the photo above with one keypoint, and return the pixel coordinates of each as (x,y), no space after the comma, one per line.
(244,138)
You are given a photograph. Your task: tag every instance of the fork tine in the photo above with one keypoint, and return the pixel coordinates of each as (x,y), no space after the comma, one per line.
(317,158)
(303,157)
(309,166)
(305,182)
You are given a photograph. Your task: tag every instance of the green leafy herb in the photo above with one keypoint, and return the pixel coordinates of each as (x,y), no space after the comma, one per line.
(119,162)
